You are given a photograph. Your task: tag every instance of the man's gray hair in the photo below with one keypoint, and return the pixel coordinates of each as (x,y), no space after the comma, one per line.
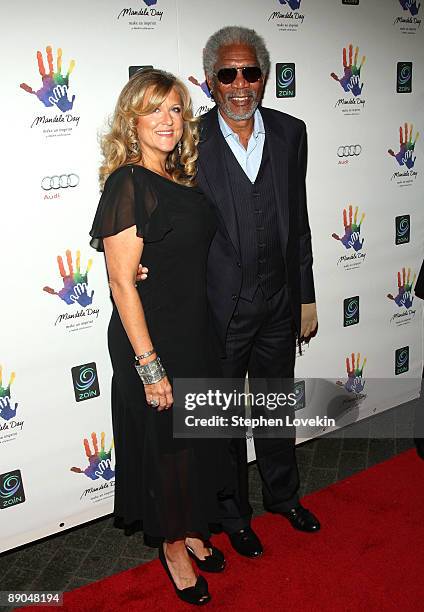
(233,35)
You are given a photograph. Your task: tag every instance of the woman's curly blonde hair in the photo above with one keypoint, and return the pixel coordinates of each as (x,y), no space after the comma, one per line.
(120,146)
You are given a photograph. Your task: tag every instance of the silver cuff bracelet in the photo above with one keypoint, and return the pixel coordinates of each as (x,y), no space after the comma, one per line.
(152,372)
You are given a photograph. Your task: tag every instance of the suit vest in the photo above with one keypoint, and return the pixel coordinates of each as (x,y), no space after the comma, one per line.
(260,248)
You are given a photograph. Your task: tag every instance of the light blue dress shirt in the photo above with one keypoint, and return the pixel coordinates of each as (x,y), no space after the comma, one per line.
(250,158)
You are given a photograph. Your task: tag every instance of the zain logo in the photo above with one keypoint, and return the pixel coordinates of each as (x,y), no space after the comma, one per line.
(300,394)
(403,229)
(351,311)
(10,486)
(285,80)
(11,489)
(86,378)
(402,357)
(286,77)
(404,77)
(86,384)
(404,74)
(402,360)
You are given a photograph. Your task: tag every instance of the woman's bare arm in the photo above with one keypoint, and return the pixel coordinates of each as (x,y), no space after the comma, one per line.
(123,253)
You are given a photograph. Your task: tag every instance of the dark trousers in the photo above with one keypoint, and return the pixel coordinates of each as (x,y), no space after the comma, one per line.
(261,342)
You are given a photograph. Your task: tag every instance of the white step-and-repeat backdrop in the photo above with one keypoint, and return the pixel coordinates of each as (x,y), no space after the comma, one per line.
(352,69)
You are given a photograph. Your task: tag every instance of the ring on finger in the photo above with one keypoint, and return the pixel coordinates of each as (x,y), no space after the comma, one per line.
(154,403)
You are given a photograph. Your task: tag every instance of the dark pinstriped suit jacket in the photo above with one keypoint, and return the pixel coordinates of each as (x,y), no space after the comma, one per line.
(287,144)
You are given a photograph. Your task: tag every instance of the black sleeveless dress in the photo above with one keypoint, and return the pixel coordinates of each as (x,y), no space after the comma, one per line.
(166,486)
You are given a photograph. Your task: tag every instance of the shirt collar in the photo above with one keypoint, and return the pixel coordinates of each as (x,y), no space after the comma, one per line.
(258,125)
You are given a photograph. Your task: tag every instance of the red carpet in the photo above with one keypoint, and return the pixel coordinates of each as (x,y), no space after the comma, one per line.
(369,555)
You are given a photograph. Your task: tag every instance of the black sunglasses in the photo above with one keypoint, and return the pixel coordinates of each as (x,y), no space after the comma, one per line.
(251,74)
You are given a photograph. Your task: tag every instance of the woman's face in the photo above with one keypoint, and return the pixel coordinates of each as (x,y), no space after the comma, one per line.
(160,130)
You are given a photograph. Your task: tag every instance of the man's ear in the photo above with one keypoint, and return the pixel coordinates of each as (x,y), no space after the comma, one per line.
(209,81)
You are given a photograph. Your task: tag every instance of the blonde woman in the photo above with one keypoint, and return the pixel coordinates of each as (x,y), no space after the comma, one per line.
(151,208)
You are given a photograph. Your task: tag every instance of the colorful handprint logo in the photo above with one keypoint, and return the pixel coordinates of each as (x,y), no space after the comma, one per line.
(406,155)
(7,410)
(54,88)
(293,4)
(355,382)
(75,284)
(350,81)
(352,230)
(404,297)
(410,5)
(99,461)
(203,86)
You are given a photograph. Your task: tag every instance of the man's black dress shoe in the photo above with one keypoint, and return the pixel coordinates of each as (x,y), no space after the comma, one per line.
(419,443)
(246,542)
(300,518)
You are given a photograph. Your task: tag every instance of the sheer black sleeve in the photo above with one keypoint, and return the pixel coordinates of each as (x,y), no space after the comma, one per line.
(128,200)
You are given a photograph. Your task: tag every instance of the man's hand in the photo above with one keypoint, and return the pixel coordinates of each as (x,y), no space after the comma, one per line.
(141,273)
(309,321)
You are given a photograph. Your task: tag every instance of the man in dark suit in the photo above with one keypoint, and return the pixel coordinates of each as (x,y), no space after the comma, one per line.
(252,166)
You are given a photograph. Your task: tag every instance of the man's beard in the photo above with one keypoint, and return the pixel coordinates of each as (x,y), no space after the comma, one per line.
(237,116)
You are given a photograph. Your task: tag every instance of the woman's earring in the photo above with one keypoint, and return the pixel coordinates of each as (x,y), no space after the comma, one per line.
(180,148)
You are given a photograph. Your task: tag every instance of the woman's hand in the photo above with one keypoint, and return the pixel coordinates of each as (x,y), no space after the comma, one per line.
(142,273)
(160,392)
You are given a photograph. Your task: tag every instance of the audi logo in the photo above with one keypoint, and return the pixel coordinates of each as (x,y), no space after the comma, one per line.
(349,150)
(59,181)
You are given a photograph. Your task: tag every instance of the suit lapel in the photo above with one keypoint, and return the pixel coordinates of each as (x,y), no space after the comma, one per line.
(214,169)
(212,164)
(278,154)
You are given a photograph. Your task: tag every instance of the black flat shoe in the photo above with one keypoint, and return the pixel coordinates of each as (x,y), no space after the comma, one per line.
(215,562)
(197,595)
(302,519)
(246,543)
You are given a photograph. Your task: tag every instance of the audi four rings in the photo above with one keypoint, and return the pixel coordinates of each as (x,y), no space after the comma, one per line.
(349,150)
(62,181)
